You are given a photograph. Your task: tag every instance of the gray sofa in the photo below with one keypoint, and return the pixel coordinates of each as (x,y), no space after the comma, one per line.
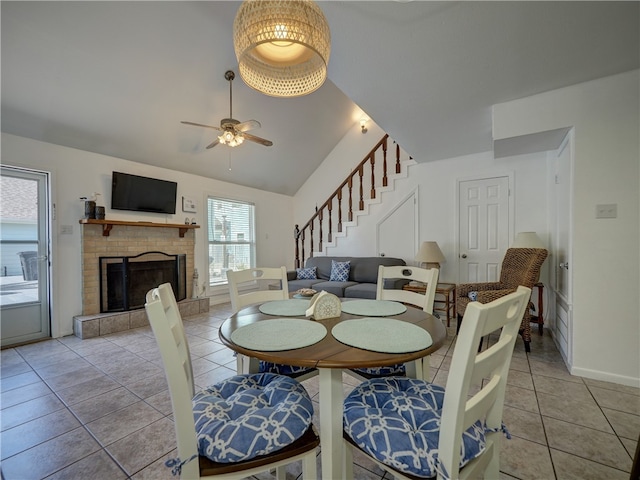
(363,276)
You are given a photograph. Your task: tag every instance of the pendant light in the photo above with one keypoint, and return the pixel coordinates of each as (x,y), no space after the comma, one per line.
(282,46)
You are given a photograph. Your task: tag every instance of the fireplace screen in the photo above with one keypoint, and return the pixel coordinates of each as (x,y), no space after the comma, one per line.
(125,281)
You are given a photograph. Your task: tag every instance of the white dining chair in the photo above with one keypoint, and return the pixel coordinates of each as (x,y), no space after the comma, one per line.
(244,290)
(166,322)
(413,428)
(387,278)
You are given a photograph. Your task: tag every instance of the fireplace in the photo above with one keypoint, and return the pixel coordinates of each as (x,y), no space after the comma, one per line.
(125,280)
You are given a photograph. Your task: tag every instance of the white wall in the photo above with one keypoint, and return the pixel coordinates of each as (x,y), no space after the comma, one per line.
(334,169)
(76,173)
(606,255)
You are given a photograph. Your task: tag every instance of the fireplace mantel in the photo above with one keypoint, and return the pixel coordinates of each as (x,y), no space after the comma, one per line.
(107,225)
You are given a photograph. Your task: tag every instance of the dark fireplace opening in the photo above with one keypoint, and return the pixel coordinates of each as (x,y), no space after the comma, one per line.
(125,281)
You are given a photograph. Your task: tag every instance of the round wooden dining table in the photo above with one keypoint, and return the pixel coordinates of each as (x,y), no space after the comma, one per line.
(330,357)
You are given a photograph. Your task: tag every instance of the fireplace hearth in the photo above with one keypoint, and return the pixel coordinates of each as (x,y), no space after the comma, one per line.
(125,280)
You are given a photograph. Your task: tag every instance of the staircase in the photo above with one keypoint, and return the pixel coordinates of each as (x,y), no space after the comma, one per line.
(363,187)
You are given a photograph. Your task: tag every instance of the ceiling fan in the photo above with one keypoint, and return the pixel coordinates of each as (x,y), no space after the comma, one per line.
(233,131)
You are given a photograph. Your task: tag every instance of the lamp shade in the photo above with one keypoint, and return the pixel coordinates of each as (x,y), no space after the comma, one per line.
(430,253)
(282,46)
(527,240)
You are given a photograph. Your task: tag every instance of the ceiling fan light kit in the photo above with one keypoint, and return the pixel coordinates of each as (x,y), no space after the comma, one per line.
(233,131)
(282,46)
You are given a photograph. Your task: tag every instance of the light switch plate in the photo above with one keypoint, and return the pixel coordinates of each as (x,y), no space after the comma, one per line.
(607,211)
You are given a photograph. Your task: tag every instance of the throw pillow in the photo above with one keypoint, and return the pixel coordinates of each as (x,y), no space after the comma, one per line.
(473,296)
(339,271)
(306,273)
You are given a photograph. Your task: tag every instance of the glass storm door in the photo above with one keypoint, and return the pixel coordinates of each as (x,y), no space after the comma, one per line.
(24,267)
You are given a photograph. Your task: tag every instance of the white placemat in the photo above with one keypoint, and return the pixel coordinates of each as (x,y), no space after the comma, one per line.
(373,308)
(385,335)
(279,334)
(285,308)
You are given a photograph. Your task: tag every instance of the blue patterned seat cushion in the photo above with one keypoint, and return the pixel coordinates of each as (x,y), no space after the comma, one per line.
(397,421)
(245,416)
(340,271)
(281,369)
(392,370)
(306,273)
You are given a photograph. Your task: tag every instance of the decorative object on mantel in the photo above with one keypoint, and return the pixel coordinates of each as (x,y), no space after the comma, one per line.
(282,46)
(430,254)
(107,225)
(324,305)
(90,205)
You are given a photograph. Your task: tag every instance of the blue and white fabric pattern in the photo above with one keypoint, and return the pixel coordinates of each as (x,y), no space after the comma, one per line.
(397,370)
(306,273)
(282,369)
(473,296)
(397,421)
(246,416)
(339,271)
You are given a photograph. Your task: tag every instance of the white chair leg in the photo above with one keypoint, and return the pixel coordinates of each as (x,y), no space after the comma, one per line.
(240,362)
(309,467)
(347,465)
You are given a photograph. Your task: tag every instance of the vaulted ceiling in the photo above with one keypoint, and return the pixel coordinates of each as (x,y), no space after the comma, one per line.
(117,78)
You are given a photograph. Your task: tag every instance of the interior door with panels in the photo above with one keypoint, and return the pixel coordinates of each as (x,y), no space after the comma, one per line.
(483,227)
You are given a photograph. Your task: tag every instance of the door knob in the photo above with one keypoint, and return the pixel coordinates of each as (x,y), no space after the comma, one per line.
(464,255)
(564,265)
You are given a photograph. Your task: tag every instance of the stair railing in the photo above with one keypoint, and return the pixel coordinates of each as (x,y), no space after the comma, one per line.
(306,243)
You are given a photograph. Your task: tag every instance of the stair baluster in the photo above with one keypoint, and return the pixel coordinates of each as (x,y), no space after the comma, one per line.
(326,212)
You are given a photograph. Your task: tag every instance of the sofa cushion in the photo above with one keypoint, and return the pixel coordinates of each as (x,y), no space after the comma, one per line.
(298,284)
(337,288)
(365,269)
(361,290)
(339,271)
(306,273)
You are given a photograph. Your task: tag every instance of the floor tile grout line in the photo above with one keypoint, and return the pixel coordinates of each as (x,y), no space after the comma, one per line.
(544,428)
(82,425)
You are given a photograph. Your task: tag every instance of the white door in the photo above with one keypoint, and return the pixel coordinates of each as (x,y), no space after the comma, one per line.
(398,231)
(24,236)
(562,250)
(483,228)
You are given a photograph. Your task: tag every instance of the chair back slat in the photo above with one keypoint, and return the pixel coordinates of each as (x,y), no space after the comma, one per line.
(166,323)
(469,367)
(251,278)
(428,277)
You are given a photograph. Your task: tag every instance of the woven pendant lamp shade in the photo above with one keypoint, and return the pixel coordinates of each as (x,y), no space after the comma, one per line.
(282,46)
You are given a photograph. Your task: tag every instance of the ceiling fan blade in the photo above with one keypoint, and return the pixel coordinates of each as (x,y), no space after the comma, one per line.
(248,125)
(201,125)
(213,144)
(253,138)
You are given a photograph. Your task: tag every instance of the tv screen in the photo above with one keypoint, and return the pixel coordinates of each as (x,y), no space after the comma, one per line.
(142,194)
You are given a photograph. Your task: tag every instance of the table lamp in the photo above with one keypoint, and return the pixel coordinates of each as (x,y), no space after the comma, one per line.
(430,254)
(527,240)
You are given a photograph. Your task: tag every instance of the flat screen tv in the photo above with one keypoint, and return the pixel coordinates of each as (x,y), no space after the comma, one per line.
(142,194)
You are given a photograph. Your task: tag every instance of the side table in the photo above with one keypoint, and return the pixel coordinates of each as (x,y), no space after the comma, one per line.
(445,299)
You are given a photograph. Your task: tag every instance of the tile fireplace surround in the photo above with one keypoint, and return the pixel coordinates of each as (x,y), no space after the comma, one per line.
(128,240)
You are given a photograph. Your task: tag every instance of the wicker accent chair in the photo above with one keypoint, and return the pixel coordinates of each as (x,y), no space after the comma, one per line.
(520,266)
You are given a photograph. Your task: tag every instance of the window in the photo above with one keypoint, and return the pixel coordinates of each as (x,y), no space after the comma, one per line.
(231,237)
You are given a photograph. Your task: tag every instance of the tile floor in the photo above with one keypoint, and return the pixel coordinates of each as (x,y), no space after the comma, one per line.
(99,408)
